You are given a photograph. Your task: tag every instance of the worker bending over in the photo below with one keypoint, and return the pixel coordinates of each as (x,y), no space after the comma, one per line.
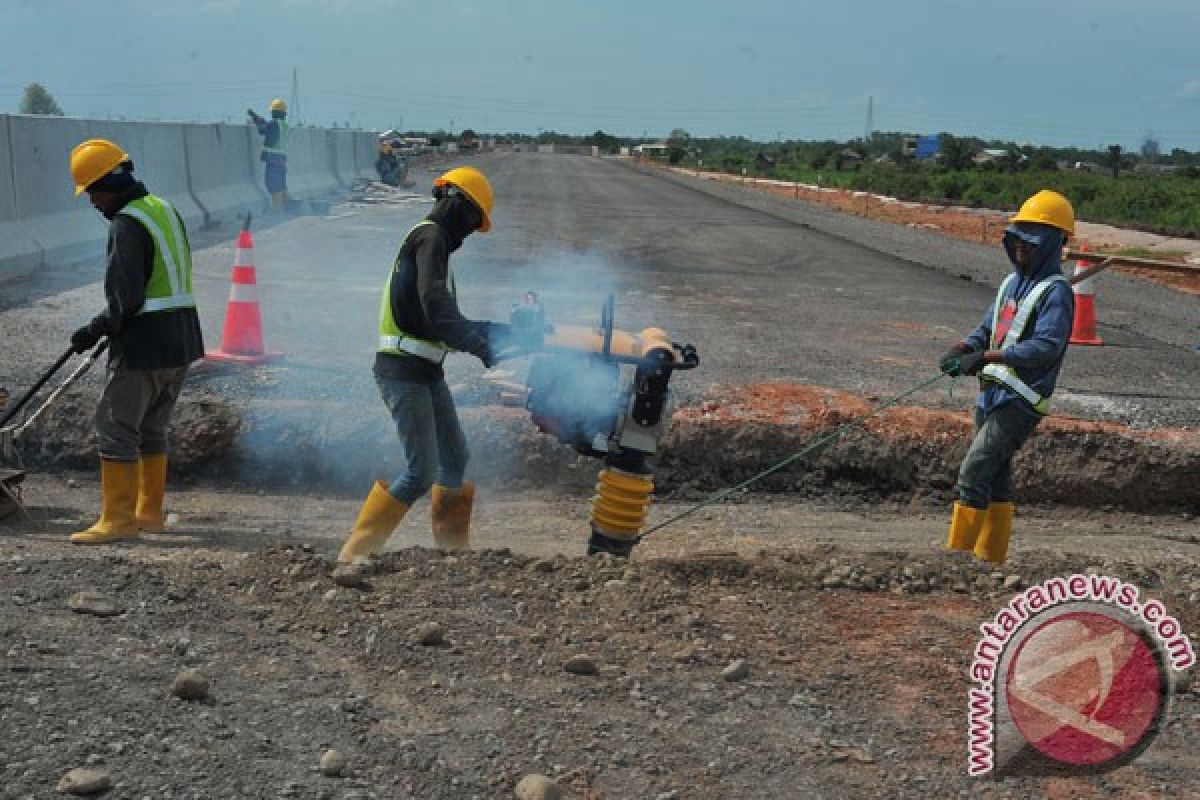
(153,332)
(419,324)
(1017,351)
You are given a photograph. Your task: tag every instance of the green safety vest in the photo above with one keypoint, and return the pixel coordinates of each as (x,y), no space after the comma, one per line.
(394,341)
(170,284)
(280,146)
(1002,373)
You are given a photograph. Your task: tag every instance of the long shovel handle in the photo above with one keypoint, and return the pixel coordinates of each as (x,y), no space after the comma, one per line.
(62,387)
(12,412)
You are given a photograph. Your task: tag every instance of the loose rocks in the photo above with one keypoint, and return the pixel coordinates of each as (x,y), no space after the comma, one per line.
(94,603)
(333,764)
(736,670)
(351,576)
(85,781)
(580,665)
(430,634)
(538,787)
(190,685)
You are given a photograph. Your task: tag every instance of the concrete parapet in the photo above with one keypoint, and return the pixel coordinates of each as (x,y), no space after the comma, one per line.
(221,161)
(20,254)
(310,169)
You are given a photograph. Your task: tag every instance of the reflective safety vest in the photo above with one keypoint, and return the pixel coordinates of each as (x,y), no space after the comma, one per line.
(280,146)
(396,342)
(170,284)
(1002,373)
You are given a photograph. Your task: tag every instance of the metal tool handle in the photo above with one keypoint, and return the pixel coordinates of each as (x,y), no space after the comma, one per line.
(25,398)
(62,387)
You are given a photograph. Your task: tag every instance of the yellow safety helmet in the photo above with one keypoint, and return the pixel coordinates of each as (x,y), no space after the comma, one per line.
(476,187)
(1048,208)
(92,160)
(278,105)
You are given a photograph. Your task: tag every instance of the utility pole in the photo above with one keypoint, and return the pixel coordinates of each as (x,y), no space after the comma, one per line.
(294,111)
(870,119)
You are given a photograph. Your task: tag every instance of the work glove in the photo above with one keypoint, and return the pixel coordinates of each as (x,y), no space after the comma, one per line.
(84,339)
(960,361)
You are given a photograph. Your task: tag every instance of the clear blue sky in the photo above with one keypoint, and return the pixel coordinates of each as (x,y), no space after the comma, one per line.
(1085,72)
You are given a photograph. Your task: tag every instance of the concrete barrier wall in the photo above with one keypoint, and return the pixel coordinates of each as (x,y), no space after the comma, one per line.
(366,152)
(221,161)
(310,171)
(343,156)
(19,251)
(211,173)
(66,227)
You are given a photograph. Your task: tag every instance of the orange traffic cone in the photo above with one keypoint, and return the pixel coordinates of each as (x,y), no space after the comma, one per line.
(1083,328)
(242,339)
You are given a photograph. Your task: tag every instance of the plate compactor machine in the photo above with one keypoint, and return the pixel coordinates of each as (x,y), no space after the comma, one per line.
(605,393)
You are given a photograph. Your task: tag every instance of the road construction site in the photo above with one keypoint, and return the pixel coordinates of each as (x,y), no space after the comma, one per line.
(827,578)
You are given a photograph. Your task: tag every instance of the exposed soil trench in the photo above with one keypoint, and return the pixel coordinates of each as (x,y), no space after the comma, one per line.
(904,453)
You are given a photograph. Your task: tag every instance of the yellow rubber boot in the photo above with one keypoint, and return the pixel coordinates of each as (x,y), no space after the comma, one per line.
(378,518)
(119,484)
(451,515)
(965,525)
(997,530)
(152,485)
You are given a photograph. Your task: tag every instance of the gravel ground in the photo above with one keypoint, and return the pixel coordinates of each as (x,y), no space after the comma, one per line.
(454,676)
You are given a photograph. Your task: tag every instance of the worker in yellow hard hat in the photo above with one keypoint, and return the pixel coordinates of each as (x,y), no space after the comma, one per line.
(419,325)
(1017,351)
(274,151)
(388,164)
(153,334)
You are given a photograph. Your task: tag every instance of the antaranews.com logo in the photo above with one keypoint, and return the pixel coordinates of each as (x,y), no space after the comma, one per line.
(1074,675)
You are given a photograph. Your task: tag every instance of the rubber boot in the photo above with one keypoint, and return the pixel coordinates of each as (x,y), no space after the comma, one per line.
(119,484)
(965,524)
(451,516)
(997,530)
(378,518)
(152,485)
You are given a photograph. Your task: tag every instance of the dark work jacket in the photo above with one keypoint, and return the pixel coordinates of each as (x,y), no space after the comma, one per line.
(423,303)
(141,341)
(269,130)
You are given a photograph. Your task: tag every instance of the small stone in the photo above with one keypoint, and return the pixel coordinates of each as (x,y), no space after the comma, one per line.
(543,565)
(333,764)
(580,665)
(72,483)
(190,685)
(84,781)
(350,576)
(671,795)
(1013,582)
(737,669)
(94,603)
(171,520)
(538,787)
(430,634)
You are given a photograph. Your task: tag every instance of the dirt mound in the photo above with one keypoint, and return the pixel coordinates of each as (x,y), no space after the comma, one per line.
(902,454)
(844,691)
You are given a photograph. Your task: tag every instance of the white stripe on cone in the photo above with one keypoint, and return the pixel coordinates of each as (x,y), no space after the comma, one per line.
(243,293)
(243,257)
(1084,286)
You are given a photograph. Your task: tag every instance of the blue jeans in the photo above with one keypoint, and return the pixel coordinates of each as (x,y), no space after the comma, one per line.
(275,176)
(986,473)
(434,445)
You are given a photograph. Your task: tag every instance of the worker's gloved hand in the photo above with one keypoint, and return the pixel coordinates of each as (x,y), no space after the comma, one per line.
(503,343)
(949,363)
(970,363)
(84,339)
(250,111)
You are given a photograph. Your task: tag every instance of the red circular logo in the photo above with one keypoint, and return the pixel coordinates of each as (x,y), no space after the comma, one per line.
(1084,689)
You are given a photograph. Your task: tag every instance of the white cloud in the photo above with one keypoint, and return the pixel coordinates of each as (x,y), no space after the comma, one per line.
(1190,89)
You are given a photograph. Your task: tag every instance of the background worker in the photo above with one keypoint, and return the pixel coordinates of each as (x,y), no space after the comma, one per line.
(1017,351)
(419,324)
(153,332)
(388,164)
(274,151)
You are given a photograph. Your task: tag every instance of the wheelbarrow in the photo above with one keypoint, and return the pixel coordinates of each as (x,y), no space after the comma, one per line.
(11,477)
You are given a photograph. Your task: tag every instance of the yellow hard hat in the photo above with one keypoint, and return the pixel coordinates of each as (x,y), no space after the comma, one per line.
(1048,208)
(278,105)
(476,186)
(92,160)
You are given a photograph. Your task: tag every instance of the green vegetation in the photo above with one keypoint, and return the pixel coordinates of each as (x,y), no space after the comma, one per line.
(36,100)
(1155,192)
